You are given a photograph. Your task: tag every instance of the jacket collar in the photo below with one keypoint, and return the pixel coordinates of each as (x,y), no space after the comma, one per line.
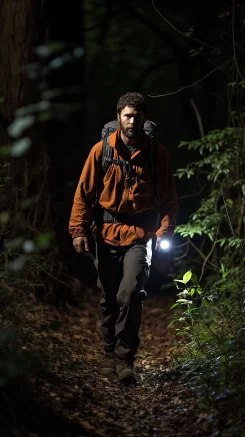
(115,139)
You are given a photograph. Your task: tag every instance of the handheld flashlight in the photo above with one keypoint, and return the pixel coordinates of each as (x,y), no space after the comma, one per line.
(165,244)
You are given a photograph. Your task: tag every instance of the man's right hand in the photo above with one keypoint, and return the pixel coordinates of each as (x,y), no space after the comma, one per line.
(81,244)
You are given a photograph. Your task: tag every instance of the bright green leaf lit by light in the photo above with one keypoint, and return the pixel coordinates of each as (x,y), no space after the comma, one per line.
(187,276)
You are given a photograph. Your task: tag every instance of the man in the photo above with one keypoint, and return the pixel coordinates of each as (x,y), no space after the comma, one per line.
(124,229)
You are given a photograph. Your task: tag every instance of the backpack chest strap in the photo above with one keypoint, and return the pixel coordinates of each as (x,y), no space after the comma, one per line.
(120,162)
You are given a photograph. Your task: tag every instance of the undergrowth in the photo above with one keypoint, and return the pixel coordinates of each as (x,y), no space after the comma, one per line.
(213,360)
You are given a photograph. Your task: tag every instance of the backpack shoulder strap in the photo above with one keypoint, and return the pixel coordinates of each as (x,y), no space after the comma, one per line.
(106,157)
(107,154)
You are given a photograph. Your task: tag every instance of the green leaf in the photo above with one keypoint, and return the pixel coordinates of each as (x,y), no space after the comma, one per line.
(232,84)
(183,143)
(172,322)
(182,300)
(229,202)
(243,189)
(20,147)
(183,293)
(192,291)
(18,126)
(174,305)
(187,276)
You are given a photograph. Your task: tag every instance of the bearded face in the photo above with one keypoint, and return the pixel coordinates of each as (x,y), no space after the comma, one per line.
(131,121)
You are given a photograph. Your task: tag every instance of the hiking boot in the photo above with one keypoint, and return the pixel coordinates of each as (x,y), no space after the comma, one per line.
(108,367)
(125,372)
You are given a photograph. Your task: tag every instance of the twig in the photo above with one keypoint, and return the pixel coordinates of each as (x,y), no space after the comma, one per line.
(198,117)
(192,84)
(179,31)
(181,245)
(188,196)
(206,260)
(201,254)
(182,256)
(51,276)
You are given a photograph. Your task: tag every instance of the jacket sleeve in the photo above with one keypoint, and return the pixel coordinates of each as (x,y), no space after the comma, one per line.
(85,194)
(166,193)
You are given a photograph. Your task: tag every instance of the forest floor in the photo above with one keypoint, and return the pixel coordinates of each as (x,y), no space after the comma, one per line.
(64,395)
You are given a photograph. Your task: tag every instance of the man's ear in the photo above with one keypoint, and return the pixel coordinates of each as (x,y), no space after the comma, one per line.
(118,116)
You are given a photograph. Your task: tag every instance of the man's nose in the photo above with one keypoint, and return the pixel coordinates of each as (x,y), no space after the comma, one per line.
(131,120)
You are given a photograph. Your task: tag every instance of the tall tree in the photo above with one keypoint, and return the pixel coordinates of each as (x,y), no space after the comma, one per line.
(46,170)
(18,36)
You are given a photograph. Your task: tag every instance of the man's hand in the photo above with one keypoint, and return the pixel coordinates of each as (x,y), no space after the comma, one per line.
(81,244)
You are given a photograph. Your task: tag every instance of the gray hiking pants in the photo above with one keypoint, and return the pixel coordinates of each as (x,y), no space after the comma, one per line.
(122,273)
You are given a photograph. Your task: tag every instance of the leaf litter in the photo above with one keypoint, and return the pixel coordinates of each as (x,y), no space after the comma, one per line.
(65,388)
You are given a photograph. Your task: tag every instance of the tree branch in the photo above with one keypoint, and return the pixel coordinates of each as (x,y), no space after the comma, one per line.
(202,254)
(206,260)
(179,31)
(224,64)
(198,117)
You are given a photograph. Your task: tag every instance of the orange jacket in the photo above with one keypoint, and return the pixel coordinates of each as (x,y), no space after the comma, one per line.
(115,197)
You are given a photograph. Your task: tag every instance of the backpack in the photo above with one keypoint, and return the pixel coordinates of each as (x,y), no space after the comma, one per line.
(107,150)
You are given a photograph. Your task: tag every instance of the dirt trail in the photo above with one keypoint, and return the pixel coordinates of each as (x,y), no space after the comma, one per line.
(68,396)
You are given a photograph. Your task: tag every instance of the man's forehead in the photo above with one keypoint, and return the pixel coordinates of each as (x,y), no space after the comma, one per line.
(131,110)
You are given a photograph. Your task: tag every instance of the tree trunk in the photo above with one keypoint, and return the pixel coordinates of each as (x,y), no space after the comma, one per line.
(18,36)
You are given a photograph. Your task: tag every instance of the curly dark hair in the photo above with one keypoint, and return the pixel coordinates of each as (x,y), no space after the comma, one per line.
(137,100)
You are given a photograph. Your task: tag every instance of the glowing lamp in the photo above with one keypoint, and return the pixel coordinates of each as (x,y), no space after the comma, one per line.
(165,244)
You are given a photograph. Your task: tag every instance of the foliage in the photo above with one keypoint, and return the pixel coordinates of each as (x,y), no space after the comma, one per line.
(215,326)
(187,297)
(209,310)
(219,219)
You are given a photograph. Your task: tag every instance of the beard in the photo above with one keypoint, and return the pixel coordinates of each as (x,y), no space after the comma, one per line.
(130,133)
